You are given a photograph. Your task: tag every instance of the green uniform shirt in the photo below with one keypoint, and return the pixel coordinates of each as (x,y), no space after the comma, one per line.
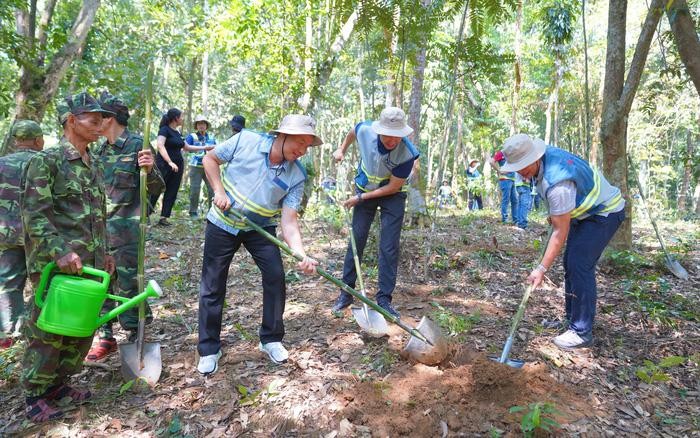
(12,174)
(64,208)
(121,176)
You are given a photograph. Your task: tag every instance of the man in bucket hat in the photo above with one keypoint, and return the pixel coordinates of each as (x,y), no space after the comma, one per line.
(585,212)
(28,140)
(198,143)
(63,213)
(386,161)
(263,180)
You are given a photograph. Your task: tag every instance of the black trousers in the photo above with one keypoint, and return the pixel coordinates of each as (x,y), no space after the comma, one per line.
(172,185)
(219,248)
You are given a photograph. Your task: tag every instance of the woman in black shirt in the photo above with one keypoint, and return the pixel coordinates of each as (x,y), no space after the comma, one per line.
(169,161)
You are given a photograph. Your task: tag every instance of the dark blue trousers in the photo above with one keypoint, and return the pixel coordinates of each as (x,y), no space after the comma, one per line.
(524,198)
(219,248)
(391,211)
(586,242)
(508,195)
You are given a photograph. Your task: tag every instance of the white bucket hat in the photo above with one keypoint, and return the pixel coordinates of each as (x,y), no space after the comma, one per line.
(520,150)
(392,123)
(201,118)
(298,124)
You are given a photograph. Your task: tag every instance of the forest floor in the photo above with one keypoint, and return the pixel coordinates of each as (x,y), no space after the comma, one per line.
(641,377)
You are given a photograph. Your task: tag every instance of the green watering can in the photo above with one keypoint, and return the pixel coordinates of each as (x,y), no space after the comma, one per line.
(73,304)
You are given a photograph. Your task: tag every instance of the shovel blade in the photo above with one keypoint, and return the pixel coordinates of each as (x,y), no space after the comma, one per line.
(423,352)
(676,268)
(371,322)
(131,365)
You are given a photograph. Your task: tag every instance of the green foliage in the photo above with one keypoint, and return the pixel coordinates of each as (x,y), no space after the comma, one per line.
(537,416)
(627,262)
(10,361)
(653,373)
(454,324)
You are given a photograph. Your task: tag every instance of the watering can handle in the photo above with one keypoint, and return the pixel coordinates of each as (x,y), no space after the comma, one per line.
(50,268)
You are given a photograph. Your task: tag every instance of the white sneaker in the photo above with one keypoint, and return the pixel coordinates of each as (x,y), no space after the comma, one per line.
(278,354)
(570,340)
(209,364)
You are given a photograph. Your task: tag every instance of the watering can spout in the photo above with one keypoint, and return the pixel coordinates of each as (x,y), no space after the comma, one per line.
(152,290)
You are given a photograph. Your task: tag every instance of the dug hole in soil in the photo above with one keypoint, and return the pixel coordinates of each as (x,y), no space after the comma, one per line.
(469,393)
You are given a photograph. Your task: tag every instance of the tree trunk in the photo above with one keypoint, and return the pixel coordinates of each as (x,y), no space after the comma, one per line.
(516,69)
(587,117)
(683,203)
(308,61)
(683,28)
(557,86)
(189,95)
(617,100)
(548,117)
(38,86)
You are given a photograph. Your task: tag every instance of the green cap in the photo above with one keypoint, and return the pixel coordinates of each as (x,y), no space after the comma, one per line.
(76,104)
(26,130)
(112,103)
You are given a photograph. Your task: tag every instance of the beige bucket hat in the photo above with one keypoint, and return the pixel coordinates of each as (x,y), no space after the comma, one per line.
(520,150)
(392,123)
(298,124)
(201,118)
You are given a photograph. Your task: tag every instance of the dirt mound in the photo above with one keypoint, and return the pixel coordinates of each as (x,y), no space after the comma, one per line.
(472,395)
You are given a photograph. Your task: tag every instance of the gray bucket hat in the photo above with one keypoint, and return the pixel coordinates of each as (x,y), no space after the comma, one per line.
(392,123)
(201,118)
(520,150)
(298,124)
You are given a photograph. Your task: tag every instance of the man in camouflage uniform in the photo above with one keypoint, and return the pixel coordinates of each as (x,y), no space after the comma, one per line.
(121,157)
(63,214)
(29,139)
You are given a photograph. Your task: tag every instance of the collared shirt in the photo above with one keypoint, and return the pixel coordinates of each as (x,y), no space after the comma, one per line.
(122,175)
(231,150)
(64,208)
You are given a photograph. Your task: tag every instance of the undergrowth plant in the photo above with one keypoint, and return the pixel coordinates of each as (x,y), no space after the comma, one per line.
(651,372)
(538,416)
(453,323)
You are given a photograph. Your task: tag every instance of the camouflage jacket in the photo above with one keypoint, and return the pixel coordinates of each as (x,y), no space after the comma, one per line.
(11,186)
(64,208)
(121,175)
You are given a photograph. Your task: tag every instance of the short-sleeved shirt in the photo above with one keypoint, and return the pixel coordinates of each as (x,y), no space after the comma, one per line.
(402,170)
(262,143)
(173,143)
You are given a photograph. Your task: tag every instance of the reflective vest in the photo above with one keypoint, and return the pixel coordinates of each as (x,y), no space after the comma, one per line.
(256,190)
(375,168)
(196,158)
(560,165)
(505,176)
(520,182)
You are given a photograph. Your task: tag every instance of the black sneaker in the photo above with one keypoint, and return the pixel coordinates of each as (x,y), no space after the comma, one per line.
(552,324)
(164,222)
(343,301)
(389,308)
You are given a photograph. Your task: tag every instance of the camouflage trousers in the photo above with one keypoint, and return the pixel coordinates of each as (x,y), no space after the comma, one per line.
(125,285)
(13,277)
(49,359)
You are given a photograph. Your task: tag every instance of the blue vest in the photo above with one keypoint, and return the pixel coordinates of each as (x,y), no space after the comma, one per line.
(504,176)
(196,158)
(256,189)
(560,165)
(375,168)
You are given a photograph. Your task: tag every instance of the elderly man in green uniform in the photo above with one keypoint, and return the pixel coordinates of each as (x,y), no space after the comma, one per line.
(63,213)
(121,157)
(28,140)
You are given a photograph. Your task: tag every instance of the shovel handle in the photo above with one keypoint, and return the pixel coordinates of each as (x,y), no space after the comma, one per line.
(284,247)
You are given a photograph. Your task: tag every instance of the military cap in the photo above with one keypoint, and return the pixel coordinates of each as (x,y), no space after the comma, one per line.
(26,130)
(76,104)
(112,103)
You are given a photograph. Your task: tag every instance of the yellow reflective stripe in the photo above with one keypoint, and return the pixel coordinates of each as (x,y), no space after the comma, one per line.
(247,203)
(234,223)
(371,178)
(404,188)
(613,203)
(590,199)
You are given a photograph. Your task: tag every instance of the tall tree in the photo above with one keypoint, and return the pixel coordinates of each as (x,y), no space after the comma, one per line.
(683,27)
(618,95)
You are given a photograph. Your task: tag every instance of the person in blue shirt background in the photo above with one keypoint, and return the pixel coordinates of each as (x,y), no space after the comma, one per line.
(198,143)
(386,161)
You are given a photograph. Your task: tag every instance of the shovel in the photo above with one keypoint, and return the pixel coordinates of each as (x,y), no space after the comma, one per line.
(427,344)
(671,263)
(517,363)
(142,360)
(368,319)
